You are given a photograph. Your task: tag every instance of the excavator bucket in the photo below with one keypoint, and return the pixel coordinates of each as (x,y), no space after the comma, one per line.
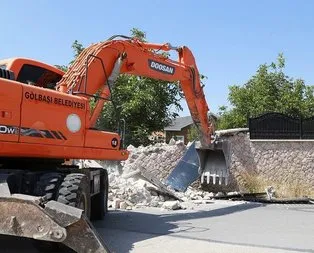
(26,216)
(213,166)
(208,164)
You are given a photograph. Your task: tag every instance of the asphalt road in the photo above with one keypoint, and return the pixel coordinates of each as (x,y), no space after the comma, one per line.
(220,227)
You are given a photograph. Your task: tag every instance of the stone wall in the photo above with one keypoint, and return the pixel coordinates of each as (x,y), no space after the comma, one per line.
(287,165)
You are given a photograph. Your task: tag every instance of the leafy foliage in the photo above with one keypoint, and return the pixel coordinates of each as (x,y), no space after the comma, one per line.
(62,67)
(77,49)
(269,90)
(193,134)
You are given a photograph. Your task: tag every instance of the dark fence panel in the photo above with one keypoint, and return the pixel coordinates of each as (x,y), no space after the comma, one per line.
(308,128)
(277,126)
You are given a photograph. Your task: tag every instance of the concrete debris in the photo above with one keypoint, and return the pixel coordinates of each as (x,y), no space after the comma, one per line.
(171,205)
(233,193)
(219,194)
(137,182)
(123,205)
(116,203)
(198,202)
(270,191)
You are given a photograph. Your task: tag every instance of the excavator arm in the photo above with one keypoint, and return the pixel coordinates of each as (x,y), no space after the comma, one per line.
(97,68)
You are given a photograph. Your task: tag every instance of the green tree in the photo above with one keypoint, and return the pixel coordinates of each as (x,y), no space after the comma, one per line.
(269,90)
(193,134)
(77,49)
(146,104)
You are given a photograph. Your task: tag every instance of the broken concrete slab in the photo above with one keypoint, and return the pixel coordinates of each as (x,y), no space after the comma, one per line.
(171,205)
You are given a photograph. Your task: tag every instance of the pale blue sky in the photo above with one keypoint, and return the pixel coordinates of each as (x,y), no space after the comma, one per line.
(229,39)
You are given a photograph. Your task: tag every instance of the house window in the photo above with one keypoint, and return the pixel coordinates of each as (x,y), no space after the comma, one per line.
(179,138)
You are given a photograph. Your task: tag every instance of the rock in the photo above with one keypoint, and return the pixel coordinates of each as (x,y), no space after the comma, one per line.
(128,203)
(172,142)
(111,178)
(154,203)
(180,195)
(167,198)
(207,196)
(270,191)
(232,193)
(128,208)
(219,194)
(116,203)
(161,198)
(123,205)
(153,193)
(110,196)
(171,205)
(193,196)
(200,193)
(131,174)
(130,148)
(184,199)
(140,205)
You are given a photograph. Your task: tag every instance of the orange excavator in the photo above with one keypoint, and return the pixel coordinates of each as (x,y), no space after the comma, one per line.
(46,121)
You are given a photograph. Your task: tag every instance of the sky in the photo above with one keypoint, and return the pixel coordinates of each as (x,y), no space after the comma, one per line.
(228,38)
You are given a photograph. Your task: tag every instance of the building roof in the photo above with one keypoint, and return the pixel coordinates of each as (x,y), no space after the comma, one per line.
(178,123)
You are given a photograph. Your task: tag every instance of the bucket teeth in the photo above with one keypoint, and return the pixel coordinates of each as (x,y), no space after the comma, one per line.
(220,178)
(207,176)
(226,180)
(214,178)
(202,178)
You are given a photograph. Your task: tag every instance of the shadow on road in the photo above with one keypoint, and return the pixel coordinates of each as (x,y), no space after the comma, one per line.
(10,244)
(144,225)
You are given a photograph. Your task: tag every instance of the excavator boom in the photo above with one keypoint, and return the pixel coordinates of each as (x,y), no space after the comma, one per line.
(98,66)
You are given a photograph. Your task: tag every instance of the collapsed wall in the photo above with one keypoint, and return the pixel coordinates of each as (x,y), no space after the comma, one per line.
(155,160)
(130,181)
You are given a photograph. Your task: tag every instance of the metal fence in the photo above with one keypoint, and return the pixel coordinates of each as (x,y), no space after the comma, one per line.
(281,126)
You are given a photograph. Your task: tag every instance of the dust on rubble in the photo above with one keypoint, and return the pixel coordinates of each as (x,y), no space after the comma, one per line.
(138,181)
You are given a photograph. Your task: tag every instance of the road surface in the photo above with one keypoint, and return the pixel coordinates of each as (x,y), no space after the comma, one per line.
(218,227)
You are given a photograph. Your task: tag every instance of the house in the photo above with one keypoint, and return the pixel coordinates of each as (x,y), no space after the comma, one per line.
(179,128)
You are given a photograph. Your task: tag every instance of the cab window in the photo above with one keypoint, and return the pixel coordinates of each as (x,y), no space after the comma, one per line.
(37,76)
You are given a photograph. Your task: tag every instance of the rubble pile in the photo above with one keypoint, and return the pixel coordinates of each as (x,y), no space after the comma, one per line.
(130,181)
